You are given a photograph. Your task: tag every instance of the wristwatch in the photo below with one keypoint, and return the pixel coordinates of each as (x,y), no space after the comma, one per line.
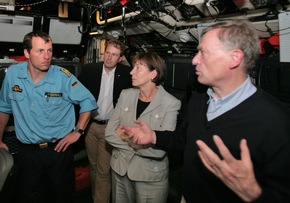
(78,130)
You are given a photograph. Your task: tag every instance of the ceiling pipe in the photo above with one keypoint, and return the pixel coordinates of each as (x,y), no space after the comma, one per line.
(116,18)
(194,2)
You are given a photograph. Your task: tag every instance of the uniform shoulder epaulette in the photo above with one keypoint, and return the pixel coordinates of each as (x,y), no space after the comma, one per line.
(66,72)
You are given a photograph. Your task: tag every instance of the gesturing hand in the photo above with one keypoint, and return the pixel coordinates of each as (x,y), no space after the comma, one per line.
(141,134)
(238,175)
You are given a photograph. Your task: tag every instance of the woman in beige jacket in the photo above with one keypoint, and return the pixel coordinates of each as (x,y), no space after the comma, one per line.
(140,173)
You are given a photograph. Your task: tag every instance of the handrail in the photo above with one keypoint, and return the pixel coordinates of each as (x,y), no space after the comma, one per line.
(113,19)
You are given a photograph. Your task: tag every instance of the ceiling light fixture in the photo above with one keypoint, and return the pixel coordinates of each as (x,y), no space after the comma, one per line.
(184,37)
(116,34)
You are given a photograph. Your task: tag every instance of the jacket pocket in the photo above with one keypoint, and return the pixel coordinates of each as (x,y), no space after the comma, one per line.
(156,119)
(152,170)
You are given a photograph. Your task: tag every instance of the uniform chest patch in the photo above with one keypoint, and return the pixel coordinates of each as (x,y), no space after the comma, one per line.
(74,84)
(16,88)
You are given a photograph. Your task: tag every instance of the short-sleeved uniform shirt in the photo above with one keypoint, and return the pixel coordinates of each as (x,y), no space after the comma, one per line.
(43,111)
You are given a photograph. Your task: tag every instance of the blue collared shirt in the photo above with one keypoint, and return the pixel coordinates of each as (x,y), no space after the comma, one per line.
(219,106)
(45,110)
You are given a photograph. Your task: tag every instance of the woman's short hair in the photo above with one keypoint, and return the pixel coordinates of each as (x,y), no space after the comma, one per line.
(154,62)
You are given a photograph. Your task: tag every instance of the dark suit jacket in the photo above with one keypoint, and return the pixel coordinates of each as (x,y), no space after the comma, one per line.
(91,76)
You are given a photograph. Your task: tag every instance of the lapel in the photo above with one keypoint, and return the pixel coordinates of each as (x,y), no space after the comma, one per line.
(117,78)
(156,102)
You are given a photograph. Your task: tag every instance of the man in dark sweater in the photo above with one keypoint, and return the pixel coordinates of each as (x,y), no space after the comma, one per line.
(236,137)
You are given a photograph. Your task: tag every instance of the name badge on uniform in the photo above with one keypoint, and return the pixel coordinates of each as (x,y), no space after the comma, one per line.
(47,95)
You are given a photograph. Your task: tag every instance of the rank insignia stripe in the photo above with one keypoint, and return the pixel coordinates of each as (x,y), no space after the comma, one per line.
(16,88)
(66,72)
(75,84)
